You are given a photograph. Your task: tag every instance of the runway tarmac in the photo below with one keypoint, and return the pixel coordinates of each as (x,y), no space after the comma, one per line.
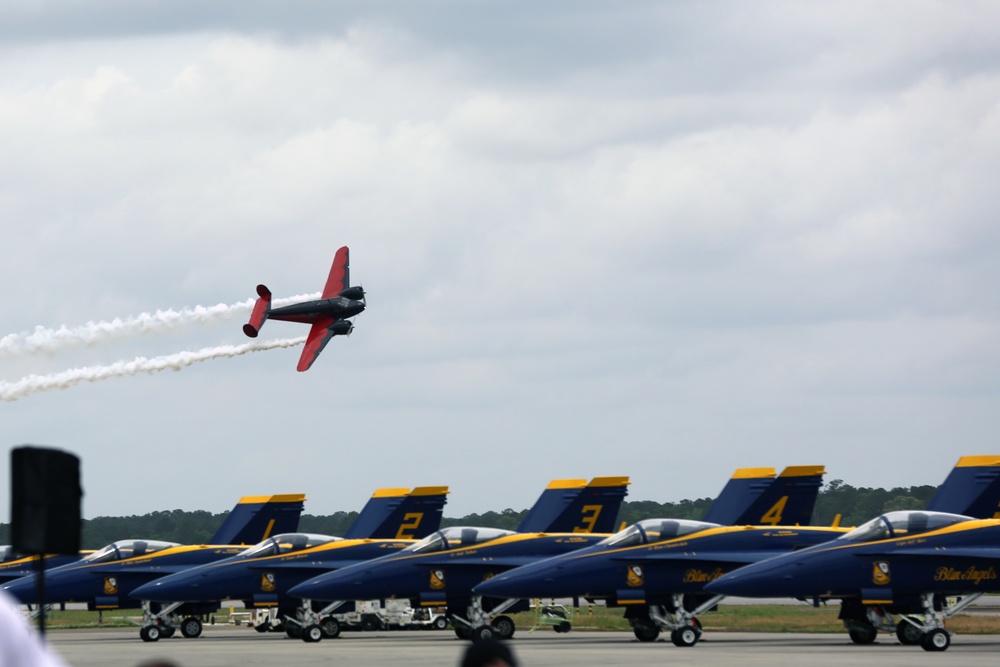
(223,646)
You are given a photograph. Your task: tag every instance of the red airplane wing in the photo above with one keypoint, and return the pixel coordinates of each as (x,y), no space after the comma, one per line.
(339,278)
(319,336)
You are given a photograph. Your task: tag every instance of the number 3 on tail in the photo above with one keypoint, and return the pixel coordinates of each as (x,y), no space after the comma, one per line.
(590,514)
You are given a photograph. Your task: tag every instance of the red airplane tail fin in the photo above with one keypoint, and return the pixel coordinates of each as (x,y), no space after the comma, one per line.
(260,312)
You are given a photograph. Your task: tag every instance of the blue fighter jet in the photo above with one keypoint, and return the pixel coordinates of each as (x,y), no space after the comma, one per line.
(442,568)
(13,566)
(261,574)
(244,524)
(910,562)
(972,489)
(105,578)
(657,568)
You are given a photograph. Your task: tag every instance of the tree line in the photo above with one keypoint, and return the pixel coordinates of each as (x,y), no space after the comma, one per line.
(855,505)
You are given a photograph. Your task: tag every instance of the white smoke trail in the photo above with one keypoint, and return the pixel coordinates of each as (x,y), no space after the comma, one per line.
(34,384)
(47,340)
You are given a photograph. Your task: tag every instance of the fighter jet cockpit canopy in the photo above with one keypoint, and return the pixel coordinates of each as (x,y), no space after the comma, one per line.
(455,538)
(902,524)
(286,543)
(127,549)
(655,530)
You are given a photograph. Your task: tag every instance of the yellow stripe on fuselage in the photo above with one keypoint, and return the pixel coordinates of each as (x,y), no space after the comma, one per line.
(329,546)
(678,542)
(975,524)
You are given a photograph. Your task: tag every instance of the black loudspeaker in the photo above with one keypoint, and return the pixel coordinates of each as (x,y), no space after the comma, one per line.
(45,501)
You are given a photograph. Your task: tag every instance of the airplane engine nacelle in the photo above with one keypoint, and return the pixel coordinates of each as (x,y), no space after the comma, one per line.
(342,328)
(355,293)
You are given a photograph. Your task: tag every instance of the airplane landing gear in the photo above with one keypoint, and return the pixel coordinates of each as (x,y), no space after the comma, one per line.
(644,630)
(937,639)
(861,632)
(908,634)
(191,627)
(686,636)
(312,634)
(331,627)
(504,626)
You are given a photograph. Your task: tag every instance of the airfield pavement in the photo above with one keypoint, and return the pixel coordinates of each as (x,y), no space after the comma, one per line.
(225,646)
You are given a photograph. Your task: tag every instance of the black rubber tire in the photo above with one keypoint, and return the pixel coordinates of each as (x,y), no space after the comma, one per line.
(504,626)
(191,627)
(645,631)
(484,632)
(331,627)
(371,624)
(293,631)
(684,637)
(166,632)
(463,631)
(908,634)
(262,627)
(312,634)
(862,633)
(440,623)
(937,639)
(149,633)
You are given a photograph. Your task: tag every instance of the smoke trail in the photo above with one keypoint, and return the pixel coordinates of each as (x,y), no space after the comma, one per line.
(34,384)
(47,340)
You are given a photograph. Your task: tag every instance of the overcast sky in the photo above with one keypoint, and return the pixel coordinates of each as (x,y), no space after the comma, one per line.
(662,240)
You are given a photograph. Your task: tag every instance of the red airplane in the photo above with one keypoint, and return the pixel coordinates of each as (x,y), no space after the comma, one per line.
(327,315)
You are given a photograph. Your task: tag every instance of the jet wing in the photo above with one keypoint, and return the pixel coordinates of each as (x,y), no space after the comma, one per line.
(339,278)
(319,335)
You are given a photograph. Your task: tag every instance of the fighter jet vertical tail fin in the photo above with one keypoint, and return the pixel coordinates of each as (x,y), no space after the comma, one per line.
(972,488)
(574,506)
(739,494)
(260,312)
(399,514)
(599,505)
(553,502)
(375,513)
(255,518)
(789,501)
